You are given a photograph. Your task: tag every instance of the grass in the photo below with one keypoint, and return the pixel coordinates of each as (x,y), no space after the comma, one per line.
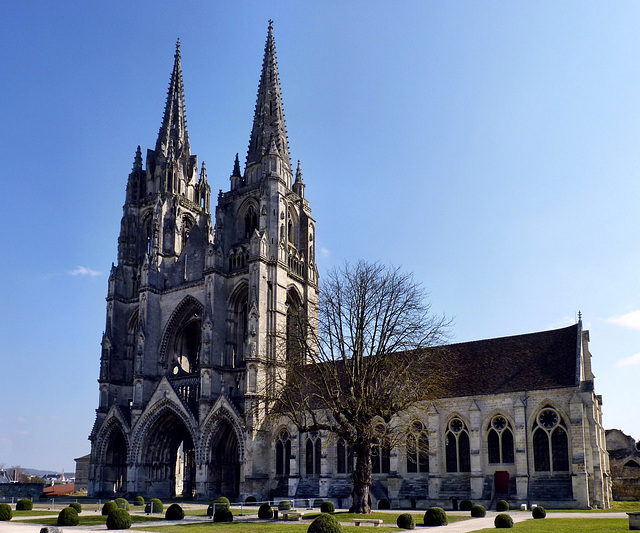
(252,527)
(569,525)
(90,520)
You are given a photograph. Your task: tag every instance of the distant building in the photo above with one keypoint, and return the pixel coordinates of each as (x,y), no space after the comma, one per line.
(624,456)
(82,472)
(194,308)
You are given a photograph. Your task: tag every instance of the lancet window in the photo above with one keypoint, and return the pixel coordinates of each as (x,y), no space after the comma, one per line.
(345,457)
(550,442)
(500,441)
(417,448)
(457,449)
(380,457)
(283,453)
(313,452)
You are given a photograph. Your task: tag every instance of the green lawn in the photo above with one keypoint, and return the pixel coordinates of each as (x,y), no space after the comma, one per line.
(90,520)
(252,527)
(569,525)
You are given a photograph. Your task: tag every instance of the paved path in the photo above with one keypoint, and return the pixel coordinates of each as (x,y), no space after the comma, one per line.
(463,526)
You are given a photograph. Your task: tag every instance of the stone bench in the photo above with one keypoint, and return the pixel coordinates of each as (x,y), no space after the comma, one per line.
(374,522)
(287,515)
(634,521)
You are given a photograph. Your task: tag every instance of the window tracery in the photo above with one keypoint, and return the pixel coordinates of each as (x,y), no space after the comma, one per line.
(500,440)
(550,442)
(283,453)
(457,446)
(313,452)
(345,457)
(417,446)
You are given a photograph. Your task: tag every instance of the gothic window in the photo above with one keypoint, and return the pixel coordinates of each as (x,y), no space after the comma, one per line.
(283,453)
(550,442)
(417,448)
(313,452)
(500,441)
(250,222)
(345,457)
(457,449)
(237,318)
(380,457)
(295,327)
(631,464)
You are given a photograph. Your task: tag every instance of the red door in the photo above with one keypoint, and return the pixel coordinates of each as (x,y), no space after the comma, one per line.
(501,482)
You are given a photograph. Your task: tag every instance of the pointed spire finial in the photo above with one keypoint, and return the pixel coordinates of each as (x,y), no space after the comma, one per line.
(236,167)
(579,316)
(268,120)
(299,173)
(173,136)
(137,162)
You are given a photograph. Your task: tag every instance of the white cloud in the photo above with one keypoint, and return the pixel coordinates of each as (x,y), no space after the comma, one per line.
(630,320)
(629,361)
(83,271)
(324,252)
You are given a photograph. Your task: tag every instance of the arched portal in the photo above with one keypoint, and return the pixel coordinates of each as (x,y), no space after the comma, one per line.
(224,463)
(114,471)
(168,458)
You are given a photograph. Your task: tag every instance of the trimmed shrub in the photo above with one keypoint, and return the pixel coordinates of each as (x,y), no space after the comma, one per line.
(68,517)
(221,504)
(502,506)
(223,515)
(406,521)
(466,505)
(24,504)
(503,521)
(250,500)
(108,508)
(174,512)
(477,511)
(138,501)
(435,516)
(384,504)
(538,512)
(265,511)
(122,503)
(325,523)
(77,506)
(327,507)
(157,507)
(6,513)
(284,505)
(119,519)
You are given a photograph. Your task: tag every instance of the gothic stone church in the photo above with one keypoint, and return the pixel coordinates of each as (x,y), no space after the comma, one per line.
(194,307)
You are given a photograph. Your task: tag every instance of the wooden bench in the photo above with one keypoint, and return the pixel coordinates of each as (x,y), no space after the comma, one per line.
(375,522)
(292,514)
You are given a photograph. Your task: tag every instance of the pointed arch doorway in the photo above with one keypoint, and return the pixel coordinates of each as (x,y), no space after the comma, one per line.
(224,463)
(114,471)
(168,456)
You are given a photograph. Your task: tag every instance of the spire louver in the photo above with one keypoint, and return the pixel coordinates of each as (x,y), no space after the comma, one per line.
(269,131)
(173,138)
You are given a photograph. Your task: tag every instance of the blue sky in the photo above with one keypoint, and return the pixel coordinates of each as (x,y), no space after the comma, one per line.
(489,147)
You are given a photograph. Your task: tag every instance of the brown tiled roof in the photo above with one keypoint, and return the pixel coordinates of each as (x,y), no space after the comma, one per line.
(542,360)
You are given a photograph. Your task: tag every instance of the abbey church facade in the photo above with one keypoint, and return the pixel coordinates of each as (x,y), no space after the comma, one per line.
(196,307)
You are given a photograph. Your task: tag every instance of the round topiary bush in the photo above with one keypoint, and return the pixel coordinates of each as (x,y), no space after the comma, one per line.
(325,523)
(119,519)
(221,504)
(250,500)
(154,506)
(108,508)
(384,504)
(265,512)
(138,501)
(327,507)
(24,504)
(538,512)
(435,516)
(503,521)
(68,517)
(466,505)
(477,511)
(174,512)
(122,503)
(223,515)
(284,505)
(502,506)
(406,521)
(6,513)
(77,506)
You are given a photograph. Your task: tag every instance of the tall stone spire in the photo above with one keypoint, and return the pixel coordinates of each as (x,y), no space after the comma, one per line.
(173,138)
(268,122)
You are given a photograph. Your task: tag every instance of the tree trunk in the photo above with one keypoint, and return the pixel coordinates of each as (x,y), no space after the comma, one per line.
(362,479)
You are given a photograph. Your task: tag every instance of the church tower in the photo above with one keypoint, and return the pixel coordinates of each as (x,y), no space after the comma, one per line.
(195,309)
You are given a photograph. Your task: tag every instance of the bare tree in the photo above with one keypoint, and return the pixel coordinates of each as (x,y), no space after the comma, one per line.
(364,365)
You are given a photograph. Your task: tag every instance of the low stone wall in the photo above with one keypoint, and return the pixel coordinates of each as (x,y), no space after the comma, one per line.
(20,490)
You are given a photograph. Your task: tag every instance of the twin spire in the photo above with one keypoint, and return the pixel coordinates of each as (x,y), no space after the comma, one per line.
(268,135)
